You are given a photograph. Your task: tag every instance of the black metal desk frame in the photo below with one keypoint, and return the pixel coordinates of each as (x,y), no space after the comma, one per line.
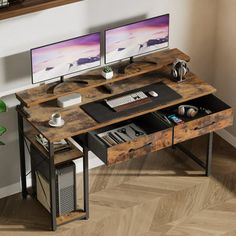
(52,183)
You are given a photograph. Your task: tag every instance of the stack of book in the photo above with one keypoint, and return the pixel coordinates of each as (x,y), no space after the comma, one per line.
(60,146)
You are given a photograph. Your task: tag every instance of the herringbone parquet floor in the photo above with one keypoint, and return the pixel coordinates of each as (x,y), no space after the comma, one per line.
(163,193)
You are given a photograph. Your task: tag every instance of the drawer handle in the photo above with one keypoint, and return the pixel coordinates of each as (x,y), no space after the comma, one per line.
(135,149)
(204,126)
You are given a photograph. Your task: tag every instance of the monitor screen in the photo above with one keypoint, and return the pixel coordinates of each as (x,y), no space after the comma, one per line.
(136,38)
(66,57)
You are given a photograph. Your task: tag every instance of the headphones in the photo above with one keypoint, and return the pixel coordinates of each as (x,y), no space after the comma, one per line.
(179,70)
(187,110)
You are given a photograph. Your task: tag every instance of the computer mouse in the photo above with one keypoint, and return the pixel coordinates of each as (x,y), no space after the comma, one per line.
(153,93)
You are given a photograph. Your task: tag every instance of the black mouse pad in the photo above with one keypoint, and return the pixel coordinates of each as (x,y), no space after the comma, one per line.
(101,112)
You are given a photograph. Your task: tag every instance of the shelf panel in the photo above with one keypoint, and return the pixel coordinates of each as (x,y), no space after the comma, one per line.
(30,6)
(34,96)
(75,215)
(78,122)
(59,157)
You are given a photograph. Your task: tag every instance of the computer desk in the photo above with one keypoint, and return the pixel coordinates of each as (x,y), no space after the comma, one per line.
(37,105)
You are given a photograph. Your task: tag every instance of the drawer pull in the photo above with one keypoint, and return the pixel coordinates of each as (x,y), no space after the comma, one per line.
(204,126)
(135,149)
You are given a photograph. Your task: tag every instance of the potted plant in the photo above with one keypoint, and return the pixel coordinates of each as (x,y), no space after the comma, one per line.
(3,108)
(107,72)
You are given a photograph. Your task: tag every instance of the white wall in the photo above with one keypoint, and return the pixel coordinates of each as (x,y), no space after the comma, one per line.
(191,30)
(224,78)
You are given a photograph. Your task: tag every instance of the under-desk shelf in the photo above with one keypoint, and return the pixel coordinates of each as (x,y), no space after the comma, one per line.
(34,96)
(30,6)
(59,157)
(74,215)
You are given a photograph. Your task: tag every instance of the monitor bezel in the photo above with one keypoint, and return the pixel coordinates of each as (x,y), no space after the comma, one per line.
(46,45)
(140,54)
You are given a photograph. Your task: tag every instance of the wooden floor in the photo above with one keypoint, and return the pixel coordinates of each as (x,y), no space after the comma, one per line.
(164,193)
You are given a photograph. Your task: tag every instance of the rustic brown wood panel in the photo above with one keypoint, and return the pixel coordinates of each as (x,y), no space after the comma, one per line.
(78,122)
(133,104)
(70,217)
(203,125)
(139,147)
(60,157)
(29,6)
(34,96)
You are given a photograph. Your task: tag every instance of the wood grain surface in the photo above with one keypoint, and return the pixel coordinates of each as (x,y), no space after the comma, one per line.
(139,146)
(78,122)
(204,125)
(74,215)
(29,6)
(34,96)
(59,157)
(133,104)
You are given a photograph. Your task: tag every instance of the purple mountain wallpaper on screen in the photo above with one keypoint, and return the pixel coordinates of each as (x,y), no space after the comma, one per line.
(137,38)
(65,57)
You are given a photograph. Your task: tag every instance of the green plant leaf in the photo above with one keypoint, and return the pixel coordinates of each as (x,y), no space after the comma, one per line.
(2,130)
(3,106)
(2,143)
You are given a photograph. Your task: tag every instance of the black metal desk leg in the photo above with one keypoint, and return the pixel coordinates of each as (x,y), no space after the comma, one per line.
(86,182)
(52,187)
(209,154)
(22,155)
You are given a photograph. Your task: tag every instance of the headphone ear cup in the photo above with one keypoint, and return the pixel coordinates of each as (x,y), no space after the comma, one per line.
(192,112)
(181,110)
(187,110)
(174,73)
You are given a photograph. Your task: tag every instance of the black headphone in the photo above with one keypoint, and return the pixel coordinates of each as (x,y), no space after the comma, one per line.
(179,69)
(187,110)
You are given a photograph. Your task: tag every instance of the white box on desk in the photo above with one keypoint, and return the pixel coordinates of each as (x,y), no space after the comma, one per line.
(69,100)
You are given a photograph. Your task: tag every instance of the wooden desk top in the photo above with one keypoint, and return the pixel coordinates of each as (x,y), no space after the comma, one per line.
(78,122)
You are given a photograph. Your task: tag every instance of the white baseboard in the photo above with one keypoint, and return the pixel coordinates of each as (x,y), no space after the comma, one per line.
(9,190)
(16,188)
(227,137)
(12,189)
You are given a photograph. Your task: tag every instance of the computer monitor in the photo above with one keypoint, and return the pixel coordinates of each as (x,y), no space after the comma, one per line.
(136,39)
(65,57)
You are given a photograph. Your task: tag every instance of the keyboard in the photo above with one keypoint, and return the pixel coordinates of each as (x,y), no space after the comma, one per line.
(130,98)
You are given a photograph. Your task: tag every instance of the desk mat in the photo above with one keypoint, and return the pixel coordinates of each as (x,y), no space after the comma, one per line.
(101,112)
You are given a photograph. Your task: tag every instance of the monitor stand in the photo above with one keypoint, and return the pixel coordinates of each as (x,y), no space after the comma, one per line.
(62,81)
(122,68)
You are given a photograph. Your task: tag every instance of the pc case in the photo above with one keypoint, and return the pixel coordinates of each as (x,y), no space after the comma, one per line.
(65,183)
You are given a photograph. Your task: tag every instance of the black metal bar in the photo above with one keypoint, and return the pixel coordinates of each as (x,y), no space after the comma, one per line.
(209,154)
(22,154)
(191,155)
(173,146)
(52,187)
(86,182)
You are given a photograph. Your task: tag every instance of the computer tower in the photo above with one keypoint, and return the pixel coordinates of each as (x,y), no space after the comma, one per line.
(65,176)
